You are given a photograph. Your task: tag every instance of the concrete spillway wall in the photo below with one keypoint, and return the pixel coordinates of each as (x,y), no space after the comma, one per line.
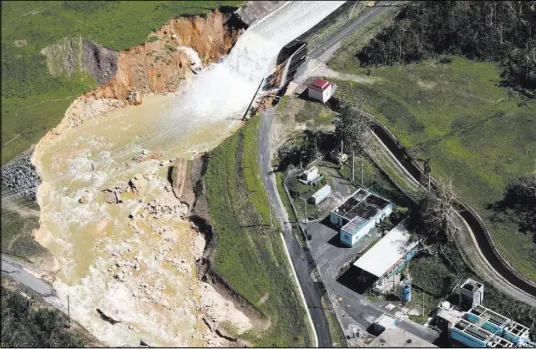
(256,10)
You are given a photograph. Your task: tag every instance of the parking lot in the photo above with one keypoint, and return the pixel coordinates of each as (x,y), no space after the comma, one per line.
(354,309)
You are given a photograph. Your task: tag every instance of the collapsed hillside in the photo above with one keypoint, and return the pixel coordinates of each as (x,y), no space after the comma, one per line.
(169,58)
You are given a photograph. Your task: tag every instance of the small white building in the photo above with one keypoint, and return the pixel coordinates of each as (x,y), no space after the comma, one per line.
(321,194)
(310,176)
(320,90)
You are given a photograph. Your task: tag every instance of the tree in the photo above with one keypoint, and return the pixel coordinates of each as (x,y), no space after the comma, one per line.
(352,128)
(520,197)
(432,219)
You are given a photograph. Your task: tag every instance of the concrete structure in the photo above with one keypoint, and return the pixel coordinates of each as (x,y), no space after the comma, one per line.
(482,327)
(384,322)
(321,194)
(310,174)
(388,257)
(358,215)
(320,90)
(398,338)
(471,294)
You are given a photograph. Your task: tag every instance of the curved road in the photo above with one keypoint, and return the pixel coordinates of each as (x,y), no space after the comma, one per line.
(310,289)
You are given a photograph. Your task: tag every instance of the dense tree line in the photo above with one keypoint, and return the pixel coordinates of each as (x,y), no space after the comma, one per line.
(499,31)
(24,325)
(520,199)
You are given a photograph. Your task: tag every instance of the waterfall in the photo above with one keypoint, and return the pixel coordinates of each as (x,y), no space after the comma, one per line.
(223,90)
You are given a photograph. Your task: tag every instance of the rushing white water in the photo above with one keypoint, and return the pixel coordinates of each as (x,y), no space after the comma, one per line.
(88,237)
(225,89)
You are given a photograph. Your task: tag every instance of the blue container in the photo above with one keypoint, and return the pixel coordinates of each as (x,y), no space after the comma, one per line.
(405,293)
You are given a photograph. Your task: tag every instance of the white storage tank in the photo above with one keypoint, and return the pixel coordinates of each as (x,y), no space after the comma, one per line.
(321,194)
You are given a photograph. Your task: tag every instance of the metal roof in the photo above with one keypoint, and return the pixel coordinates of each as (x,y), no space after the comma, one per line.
(319,84)
(386,252)
(361,204)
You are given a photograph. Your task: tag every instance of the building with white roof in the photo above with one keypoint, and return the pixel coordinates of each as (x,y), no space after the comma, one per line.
(387,258)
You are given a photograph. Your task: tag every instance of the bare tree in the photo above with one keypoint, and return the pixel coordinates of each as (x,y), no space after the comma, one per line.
(433,219)
(352,128)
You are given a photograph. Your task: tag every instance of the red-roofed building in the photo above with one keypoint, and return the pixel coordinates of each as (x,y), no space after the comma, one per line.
(320,90)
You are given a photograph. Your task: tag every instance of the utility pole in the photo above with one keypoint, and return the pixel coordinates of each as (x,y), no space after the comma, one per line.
(353,8)
(271,223)
(342,152)
(305,208)
(362,182)
(422,304)
(353,167)
(68,312)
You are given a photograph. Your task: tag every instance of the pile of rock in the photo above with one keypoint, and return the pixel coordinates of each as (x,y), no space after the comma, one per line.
(166,208)
(21,176)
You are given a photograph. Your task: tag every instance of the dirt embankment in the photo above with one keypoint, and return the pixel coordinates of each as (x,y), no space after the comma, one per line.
(169,58)
(160,65)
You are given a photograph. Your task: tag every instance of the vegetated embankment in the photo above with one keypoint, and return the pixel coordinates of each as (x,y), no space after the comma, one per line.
(482,234)
(245,251)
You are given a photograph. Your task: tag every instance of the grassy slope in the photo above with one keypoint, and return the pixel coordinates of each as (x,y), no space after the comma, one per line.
(31,322)
(33,101)
(16,230)
(474,132)
(249,254)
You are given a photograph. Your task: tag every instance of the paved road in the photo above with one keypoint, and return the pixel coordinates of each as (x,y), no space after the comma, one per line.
(15,270)
(343,34)
(310,289)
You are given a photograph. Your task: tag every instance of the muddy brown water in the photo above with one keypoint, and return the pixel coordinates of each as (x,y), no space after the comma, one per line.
(83,237)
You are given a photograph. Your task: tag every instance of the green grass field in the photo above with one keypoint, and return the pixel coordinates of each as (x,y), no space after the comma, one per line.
(475,133)
(249,254)
(33,101)
(17,230)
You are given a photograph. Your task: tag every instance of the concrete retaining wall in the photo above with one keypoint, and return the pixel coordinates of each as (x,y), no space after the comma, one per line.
(256,10)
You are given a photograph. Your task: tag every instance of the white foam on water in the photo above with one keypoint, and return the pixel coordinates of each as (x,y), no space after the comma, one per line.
(224,90)
(220,92)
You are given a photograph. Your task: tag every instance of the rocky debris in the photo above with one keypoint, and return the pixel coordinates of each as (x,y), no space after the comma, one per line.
(84,199)
(137,183)
(151,293)
(217,309)
(20,43)
(178,176)
(21,176)
(137,229)
(166,208)
(144,157)
(181,264)
(161,229)
(133,97)
(111,197)
(107,318)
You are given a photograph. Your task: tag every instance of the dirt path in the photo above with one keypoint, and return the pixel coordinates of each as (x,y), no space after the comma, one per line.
(324,70)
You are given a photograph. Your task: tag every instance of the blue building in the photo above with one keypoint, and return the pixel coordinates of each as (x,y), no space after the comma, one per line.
(358,215)
(481,327)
